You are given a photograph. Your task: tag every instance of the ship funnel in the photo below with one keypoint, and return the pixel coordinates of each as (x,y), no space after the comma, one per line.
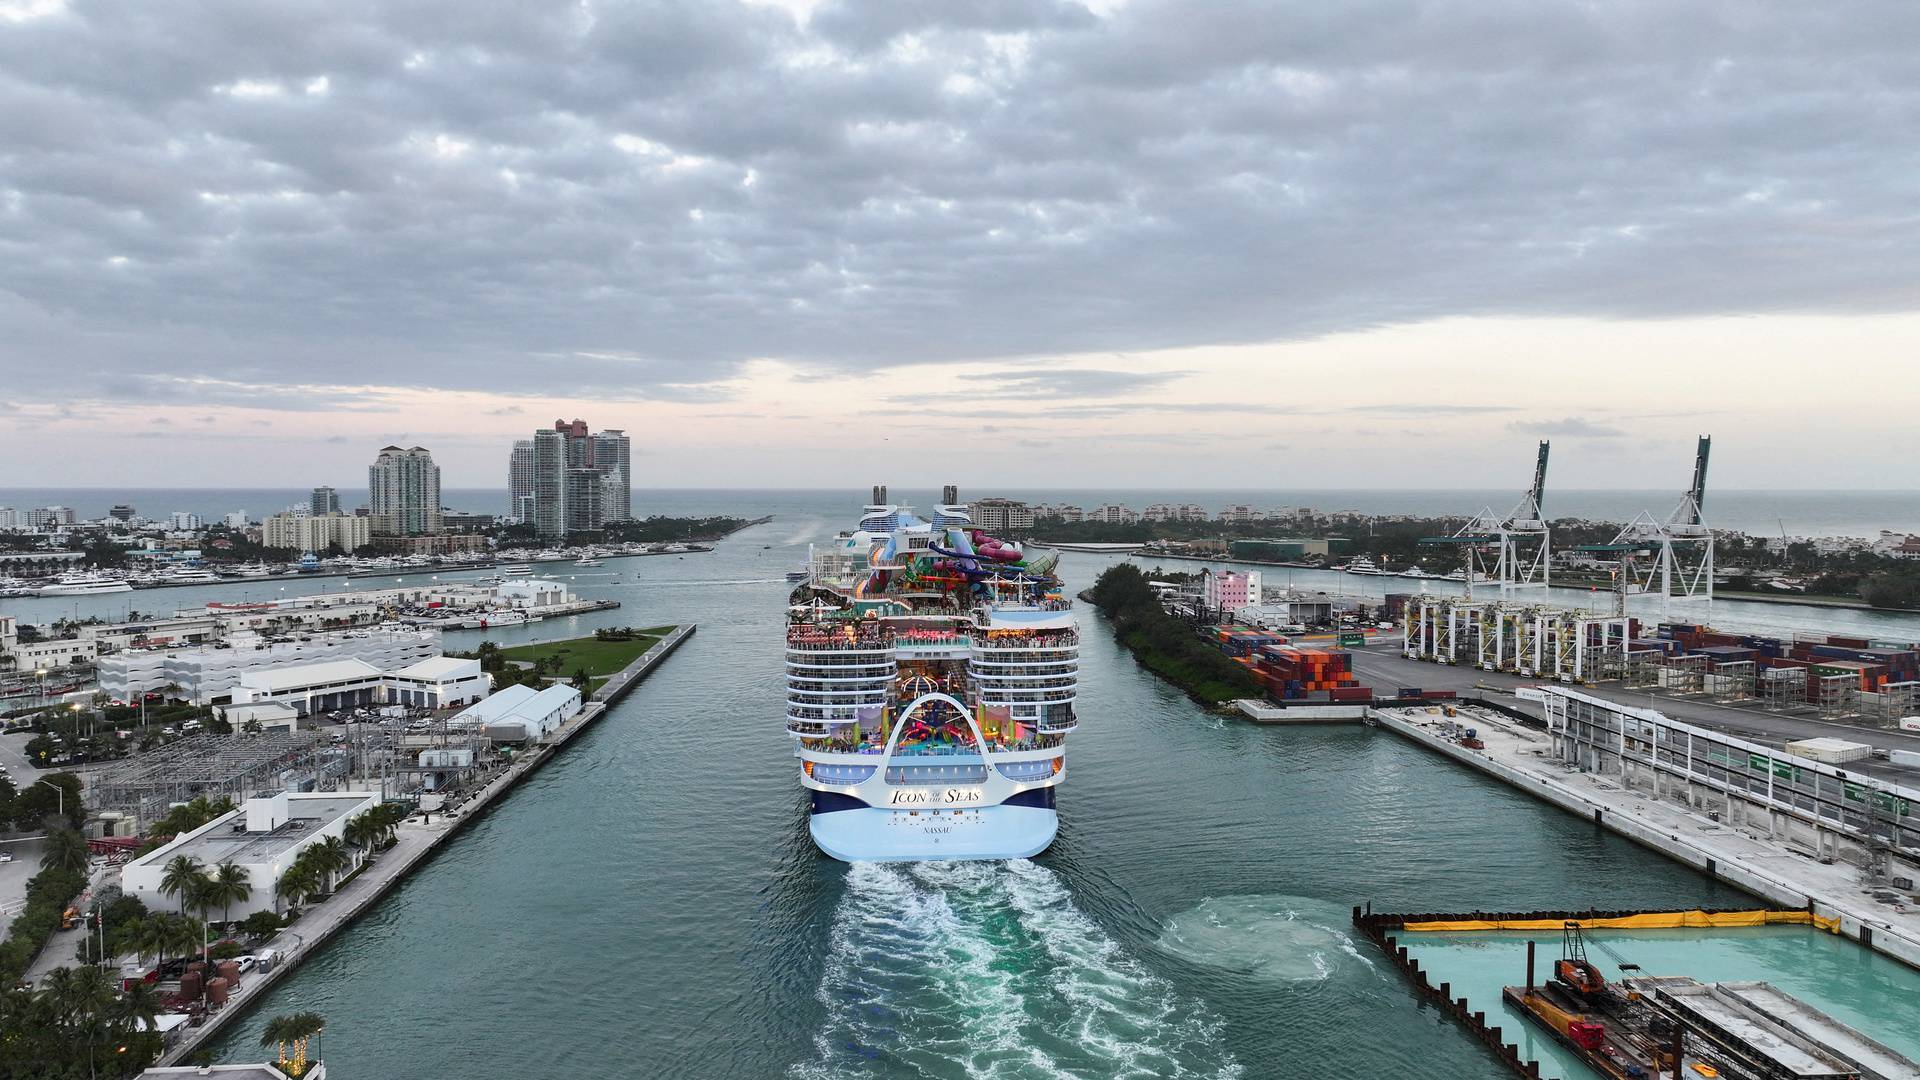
(879,495)
(949,495)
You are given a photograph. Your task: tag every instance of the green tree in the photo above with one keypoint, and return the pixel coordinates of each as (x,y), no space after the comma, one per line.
(182,879)
(40,802)
(580,679)
(41,748)
(297,1028)
(66,850)
(297,882)
(231,884)
(261,925)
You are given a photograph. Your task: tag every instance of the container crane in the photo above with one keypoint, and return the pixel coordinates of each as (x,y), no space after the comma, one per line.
(1680,547)
(1518,541)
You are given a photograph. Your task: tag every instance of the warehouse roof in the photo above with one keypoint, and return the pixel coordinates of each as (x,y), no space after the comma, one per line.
(294,676)
(440,667)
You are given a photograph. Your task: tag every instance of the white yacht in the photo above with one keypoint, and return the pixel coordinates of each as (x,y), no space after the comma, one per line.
(84,585)
(931,677)
(190,575)
(1362,565)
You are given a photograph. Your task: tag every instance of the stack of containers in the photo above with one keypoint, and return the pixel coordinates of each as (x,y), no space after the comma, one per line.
(1242,641)
(1292,672)
(1875,665)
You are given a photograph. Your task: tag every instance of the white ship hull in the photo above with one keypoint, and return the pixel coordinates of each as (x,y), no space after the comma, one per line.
(87,589)
(879,835)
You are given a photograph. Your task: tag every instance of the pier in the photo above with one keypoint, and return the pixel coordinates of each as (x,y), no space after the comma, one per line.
(413,843)
(1781,868)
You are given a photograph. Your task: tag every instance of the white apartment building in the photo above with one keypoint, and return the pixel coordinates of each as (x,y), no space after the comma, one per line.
(209,674)
(403,489)
(315,532)
(235,520)
(184,521)
(1113,514)
(1001,515)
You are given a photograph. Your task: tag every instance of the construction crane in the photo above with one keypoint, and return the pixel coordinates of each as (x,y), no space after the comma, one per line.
(1671,556)
(1518,541)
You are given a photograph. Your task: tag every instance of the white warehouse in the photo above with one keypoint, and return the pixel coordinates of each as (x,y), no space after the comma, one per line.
(437,682)
(263,838)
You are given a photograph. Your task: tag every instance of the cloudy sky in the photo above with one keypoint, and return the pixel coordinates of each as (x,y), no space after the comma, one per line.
(1380,243)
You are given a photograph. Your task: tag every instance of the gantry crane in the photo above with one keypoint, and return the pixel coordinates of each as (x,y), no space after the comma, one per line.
(1518,543)
(1673,557)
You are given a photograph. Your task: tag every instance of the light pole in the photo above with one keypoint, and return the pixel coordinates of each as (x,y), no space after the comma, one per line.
(60,804)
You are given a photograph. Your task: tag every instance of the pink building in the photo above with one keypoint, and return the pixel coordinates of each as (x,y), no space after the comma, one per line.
(1232,591)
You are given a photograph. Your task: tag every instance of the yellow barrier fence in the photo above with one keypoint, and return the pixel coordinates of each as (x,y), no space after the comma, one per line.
(1660,920)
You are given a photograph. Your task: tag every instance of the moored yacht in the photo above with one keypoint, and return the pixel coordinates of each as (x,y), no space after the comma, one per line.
(1362,565)
(84,584)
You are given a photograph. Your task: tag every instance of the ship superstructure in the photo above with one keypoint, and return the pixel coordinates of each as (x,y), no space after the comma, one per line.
(931,677)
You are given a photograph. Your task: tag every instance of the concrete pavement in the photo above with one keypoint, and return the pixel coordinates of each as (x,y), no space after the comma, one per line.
(1383,668)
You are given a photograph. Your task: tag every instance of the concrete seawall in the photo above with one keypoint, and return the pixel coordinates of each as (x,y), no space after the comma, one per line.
(1764,868)
(413,845)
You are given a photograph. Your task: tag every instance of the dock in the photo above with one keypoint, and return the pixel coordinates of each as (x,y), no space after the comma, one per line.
(1786,873)
(414,843)
(1315,712)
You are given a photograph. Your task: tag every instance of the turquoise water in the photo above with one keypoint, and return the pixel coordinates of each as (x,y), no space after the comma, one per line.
(649,905)
(1856,986)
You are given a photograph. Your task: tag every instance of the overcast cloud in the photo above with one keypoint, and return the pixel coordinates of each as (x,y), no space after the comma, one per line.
(286,202)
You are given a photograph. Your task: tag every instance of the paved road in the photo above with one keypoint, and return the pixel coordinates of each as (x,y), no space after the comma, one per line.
(1382,667)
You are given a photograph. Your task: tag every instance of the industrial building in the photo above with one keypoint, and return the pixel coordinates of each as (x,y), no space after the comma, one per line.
(262,837)
(437,682)
(521,714)
(209,674)
(237,766)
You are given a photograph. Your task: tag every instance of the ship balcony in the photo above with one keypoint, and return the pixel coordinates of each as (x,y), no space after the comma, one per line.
(994,695)
(827,772)
(1027,770)
(1058,722)
(837,714)
(1022,673)
(961,772)
(819,686)
(1023,666)
(835,662)
(1041,639)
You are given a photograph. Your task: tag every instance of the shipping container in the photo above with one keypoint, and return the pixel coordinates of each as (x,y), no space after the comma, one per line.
(1831,751)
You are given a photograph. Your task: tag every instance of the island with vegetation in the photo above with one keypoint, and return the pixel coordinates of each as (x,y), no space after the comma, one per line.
(1164,644)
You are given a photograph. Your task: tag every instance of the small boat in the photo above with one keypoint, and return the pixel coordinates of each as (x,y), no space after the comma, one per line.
(799,575)
(516,569)
(589,562)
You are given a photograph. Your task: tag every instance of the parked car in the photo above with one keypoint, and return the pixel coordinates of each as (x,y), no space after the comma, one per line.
(6,856)
(246,963)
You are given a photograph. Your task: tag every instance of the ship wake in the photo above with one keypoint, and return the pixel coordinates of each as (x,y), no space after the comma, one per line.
(987,969)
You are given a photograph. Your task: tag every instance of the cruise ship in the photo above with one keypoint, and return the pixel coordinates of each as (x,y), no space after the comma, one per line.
(84,585)
(931,677)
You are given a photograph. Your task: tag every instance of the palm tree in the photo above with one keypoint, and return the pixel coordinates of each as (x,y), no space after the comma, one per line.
(330,858)
(183,874)
(297,882)
(66,850)
(139,1006)
(231,883)
(297,1029)
(361,830)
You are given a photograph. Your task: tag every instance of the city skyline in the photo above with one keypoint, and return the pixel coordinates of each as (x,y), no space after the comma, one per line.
(1195,248)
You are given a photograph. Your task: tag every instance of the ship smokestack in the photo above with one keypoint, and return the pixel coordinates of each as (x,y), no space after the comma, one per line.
(879,495)
(949,495)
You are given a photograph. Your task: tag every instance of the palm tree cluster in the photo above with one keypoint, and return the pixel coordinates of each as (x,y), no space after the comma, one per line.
(315,871)
(78,1024)
(296,1028)
(200,889)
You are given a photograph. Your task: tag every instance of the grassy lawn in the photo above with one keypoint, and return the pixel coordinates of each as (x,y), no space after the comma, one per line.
(597,657)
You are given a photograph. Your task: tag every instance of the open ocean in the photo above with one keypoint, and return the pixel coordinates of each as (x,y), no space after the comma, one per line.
(1767,513)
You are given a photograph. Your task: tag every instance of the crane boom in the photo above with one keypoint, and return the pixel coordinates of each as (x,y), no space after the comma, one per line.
(1698,492)
(1540,475)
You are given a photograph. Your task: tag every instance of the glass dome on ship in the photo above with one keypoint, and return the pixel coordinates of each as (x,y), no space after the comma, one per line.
(931,677)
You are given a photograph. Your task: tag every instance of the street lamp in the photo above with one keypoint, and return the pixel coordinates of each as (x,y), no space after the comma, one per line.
(61,804)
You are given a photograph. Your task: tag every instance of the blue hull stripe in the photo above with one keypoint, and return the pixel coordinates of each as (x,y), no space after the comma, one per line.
(827,802)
